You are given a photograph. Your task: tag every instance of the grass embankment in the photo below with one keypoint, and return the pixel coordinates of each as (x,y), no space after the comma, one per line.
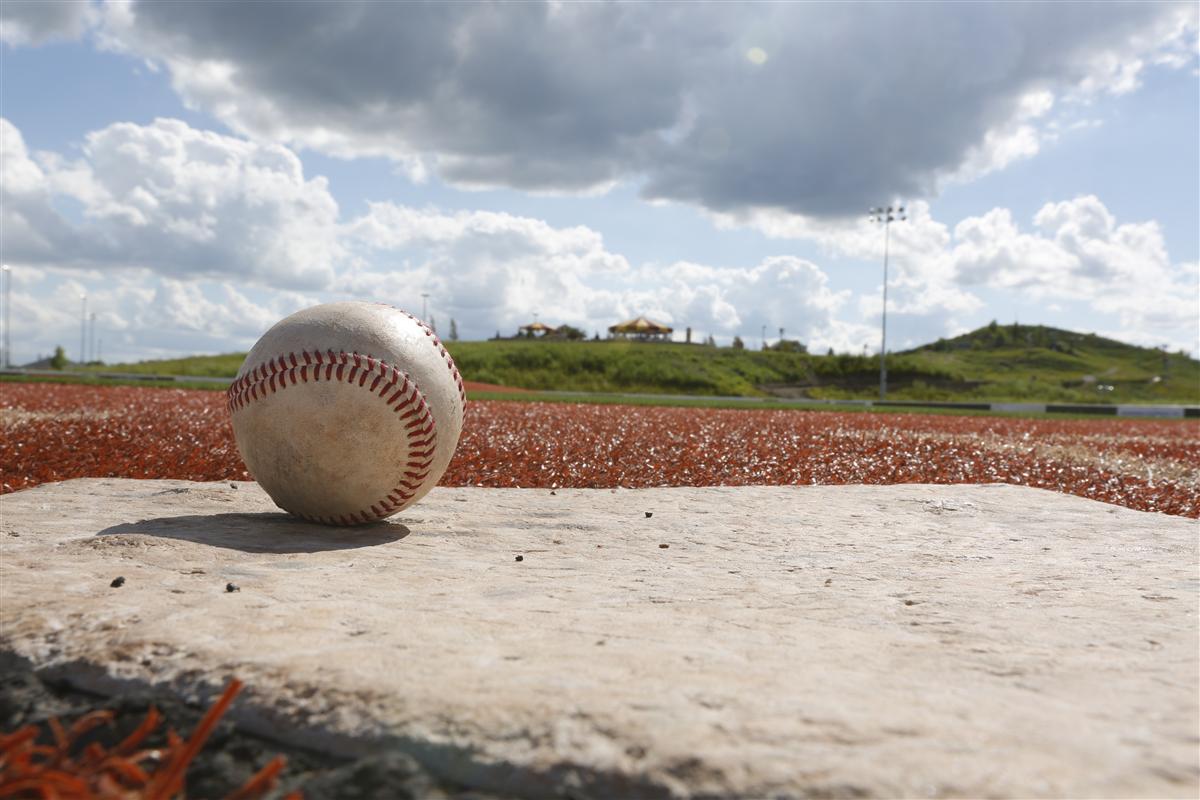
(994,363)
(1035,362)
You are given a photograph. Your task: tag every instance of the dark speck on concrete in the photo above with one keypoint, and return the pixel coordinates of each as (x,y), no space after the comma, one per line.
(232,587)
(663,546)
(117,582)
(649,514)
(520,558)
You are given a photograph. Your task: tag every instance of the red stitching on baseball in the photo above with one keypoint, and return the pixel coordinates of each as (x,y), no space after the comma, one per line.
(462,391)
(273,375)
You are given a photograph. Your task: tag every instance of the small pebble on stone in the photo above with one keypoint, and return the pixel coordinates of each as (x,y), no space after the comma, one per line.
(649,514)
(117,582)
(663,546)
(232,587)
(520,558)
(828,581)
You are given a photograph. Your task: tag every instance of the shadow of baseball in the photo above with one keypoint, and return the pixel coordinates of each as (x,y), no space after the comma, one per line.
(268,532)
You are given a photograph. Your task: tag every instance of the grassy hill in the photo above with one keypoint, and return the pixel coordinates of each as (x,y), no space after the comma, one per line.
(993,363)
(1027,361)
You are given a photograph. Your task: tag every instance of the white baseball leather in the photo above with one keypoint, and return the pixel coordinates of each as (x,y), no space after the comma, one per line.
(347,413)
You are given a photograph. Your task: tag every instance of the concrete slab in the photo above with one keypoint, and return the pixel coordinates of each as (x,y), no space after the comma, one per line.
(852,641)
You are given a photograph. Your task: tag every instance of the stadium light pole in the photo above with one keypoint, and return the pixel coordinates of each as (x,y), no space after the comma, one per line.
(83,330)
(424,306)
(885,216)
(92,337)
(7,332)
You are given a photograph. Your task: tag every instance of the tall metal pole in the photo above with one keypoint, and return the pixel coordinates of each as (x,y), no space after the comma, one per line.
(83,330)
(92,338)
(424,306)
(887,226)
(7,275)
(886,216)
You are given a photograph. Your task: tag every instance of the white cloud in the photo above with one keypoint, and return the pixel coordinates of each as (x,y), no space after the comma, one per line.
(1079,251)
(577,97)
(159,205)
(1076,251)
(187,241)
(172,199)
(35,22)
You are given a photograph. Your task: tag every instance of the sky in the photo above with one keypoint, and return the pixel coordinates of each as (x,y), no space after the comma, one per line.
(192,172)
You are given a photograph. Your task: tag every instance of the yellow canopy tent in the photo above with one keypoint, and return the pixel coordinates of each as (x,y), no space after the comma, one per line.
(536,329)
(640,328)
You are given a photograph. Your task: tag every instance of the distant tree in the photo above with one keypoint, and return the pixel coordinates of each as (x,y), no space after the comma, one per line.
(829,352)
(570,332)
(453,330)
(738,344)
(596,336)
(789,346)
(710,341)
(59,360)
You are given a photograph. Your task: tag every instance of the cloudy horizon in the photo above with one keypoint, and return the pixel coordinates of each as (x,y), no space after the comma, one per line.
(199,170)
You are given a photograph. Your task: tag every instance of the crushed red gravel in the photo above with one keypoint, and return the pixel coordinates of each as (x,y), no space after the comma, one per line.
(53,432)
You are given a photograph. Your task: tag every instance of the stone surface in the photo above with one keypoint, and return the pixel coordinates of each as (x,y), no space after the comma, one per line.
(811,641)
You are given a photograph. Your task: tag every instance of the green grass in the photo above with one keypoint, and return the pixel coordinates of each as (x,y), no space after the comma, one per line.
(762,404)
(593,398)
(1036,362)
(103,381)
(222,366)
(994,363)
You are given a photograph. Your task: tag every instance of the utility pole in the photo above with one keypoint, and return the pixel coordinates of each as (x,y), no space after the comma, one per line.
(6,274)
(92,338)
(424,306)
(83,330)
(885,217)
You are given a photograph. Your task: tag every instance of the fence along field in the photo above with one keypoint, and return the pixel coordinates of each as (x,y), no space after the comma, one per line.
(53,432)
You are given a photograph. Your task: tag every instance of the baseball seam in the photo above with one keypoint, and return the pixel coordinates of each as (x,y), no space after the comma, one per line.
(462,392)
(392,385)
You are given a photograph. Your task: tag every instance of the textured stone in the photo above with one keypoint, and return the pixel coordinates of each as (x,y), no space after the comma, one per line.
(810,641)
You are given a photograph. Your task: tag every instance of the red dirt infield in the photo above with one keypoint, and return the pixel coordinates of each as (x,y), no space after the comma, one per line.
(53,432)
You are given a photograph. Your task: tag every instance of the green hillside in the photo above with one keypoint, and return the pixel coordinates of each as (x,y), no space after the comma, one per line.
(1033,363)
(1027,361)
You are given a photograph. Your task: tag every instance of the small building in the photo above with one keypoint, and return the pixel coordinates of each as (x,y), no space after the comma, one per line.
(535,329)
(641,329)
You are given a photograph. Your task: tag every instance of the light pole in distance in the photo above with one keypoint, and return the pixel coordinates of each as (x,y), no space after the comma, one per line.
(885,216)
(424,306)
(83,330)
(7,276)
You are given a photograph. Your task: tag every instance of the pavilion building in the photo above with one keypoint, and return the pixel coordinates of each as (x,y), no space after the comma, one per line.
(641,329)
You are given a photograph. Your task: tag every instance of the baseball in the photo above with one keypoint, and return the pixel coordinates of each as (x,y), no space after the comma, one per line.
(347,413)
